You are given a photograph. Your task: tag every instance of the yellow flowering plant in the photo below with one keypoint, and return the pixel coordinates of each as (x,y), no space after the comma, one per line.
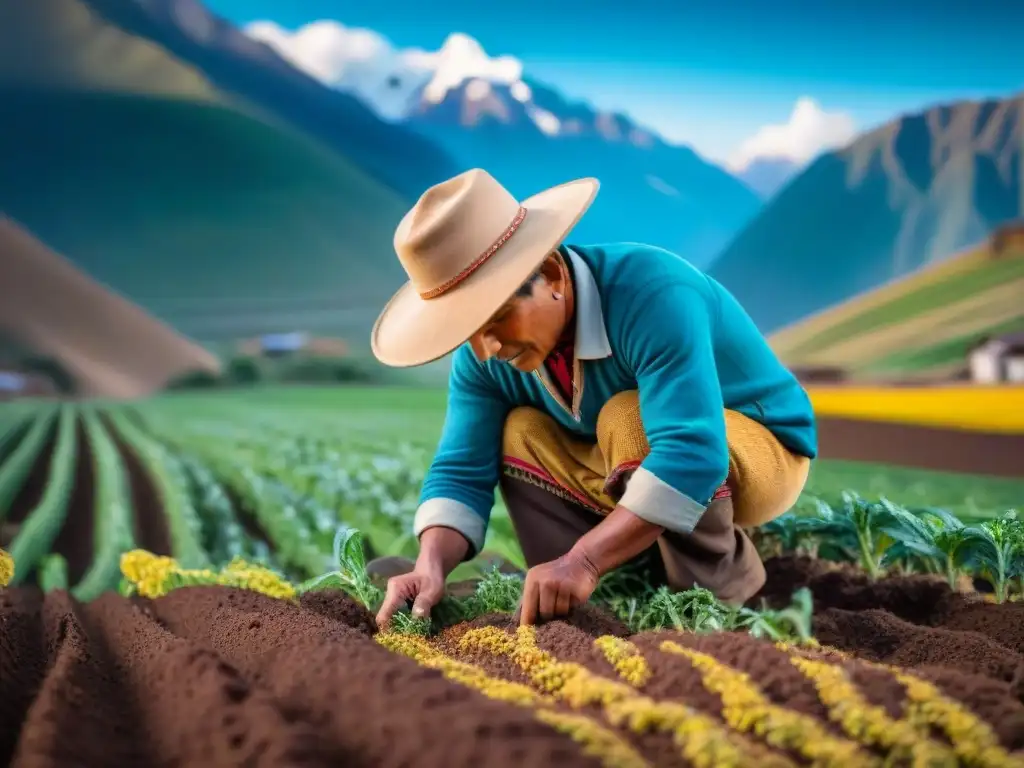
(6,568)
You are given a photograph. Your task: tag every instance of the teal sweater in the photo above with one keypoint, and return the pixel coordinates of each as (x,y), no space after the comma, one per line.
(646,320)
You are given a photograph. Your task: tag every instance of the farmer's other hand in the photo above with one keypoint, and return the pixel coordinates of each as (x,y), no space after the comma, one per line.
(553,588)
(424,586)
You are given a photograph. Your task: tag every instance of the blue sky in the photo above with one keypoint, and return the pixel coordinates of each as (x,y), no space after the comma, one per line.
(713,78)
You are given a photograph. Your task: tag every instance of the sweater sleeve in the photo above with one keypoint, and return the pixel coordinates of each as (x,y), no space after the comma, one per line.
(458,491)
(668,341)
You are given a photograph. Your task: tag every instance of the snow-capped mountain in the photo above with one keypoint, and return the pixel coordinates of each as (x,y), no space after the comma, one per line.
(487,113)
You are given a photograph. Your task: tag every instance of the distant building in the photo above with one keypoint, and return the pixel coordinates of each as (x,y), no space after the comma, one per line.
(1008,239)
(293,344)
(14,384)
(997,359)
(281,344)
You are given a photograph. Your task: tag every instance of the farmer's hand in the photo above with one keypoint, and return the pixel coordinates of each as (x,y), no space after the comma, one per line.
(424,586)
(441,549)
(553,588)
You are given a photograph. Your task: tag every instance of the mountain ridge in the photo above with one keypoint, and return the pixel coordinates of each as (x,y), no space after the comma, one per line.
(906,194)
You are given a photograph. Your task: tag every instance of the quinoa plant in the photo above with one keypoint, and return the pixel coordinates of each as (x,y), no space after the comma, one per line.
(350,574)
(855,530)
(931,535)
(996,550)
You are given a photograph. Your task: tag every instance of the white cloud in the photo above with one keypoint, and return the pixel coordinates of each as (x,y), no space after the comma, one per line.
(360,61)
(809,131)
(461,58)
(364,62)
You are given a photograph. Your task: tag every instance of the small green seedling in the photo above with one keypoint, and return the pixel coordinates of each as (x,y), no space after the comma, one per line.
(996,550)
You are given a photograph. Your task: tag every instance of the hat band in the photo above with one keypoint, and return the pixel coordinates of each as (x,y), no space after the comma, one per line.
(433,293)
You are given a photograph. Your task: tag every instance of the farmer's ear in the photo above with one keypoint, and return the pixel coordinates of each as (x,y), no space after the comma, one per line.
(553,271)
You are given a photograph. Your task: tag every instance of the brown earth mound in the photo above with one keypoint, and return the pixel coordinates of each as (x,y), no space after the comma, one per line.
(917,675)
(111,346)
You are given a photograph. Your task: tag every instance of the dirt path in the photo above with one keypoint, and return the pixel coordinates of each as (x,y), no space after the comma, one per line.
(75,540)
(947,450)
(221,677)
(149,522)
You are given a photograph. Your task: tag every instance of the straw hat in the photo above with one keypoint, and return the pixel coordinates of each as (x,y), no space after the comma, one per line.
(467,246)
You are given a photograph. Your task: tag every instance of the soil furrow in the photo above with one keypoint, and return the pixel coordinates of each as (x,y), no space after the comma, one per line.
(680,728)
(149,521)
(769,669)
(225,677)
(917,599)
(76,538)
(23,661)
(924,601)
(879,636)
(1001,622)
(83,714)
(196,708)
(379,708)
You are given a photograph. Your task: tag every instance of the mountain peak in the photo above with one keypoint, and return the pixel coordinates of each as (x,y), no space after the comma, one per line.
(461,58)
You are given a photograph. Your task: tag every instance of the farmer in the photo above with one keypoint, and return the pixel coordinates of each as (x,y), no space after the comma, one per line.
(620,399)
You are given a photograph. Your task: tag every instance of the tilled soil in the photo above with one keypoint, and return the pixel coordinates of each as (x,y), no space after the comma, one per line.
(211,676)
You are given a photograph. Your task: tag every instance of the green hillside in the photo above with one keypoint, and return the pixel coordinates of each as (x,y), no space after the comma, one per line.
(921,325)
(219,223)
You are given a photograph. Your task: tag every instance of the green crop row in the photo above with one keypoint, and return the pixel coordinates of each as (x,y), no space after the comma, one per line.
(112,522)
(23,451)
(41,526)
(272,486)
(883,537)
(171,482)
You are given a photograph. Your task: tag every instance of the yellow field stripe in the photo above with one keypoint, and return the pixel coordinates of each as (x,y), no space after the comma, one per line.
(701,739)
(973,740)
(746,709)
(978,408)
(469,675)
(870,724)
(626,658)
(595,740)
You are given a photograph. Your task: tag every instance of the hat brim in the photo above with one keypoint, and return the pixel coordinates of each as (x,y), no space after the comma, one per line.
(412,331)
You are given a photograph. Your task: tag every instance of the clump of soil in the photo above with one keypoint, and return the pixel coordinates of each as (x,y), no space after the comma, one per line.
(339,607)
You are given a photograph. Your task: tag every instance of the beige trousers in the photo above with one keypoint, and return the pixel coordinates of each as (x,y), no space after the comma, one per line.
(557,487)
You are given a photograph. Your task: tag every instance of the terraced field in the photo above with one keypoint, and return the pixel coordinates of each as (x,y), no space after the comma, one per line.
(919,326)
(190,588)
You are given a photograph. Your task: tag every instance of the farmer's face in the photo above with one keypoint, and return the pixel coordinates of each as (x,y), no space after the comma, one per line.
(525,330)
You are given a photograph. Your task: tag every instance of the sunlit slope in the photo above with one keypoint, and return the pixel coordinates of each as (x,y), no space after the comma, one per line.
(919,326)
(64,44)
(110,346)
